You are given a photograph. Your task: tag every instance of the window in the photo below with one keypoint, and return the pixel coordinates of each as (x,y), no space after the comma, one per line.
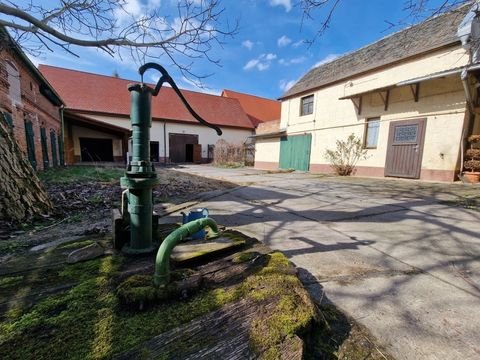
(30,143)
(306,105)
(405,134)
(14,83)
(7,117)
(371,133)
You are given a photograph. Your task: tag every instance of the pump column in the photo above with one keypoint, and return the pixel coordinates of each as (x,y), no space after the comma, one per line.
(140,176)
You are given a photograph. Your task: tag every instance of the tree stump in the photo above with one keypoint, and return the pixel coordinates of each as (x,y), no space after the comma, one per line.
(22,195)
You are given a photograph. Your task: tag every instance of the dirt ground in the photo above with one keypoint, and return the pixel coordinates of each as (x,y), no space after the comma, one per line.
(83,206)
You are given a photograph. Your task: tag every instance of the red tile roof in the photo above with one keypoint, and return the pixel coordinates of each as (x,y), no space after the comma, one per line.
(93,93)
(258,109)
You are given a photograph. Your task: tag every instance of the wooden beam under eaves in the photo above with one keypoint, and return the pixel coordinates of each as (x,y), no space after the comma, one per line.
(357,102)
(415,88)
(385,96)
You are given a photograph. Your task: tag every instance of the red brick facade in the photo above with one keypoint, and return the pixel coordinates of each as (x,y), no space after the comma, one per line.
(33,107)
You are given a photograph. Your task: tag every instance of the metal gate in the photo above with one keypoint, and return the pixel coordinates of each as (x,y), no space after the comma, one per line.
(405,148)
(295,152)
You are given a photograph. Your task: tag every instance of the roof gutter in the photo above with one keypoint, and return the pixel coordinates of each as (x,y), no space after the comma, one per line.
(469,33)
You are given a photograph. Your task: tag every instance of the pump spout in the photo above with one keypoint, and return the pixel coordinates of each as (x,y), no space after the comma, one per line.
(162,262)
(166,78)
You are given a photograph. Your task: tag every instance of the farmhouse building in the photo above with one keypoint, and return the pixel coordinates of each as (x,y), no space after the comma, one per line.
(30,106)
(411,97)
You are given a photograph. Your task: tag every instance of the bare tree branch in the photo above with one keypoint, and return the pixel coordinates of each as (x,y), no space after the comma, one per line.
(111,26)
(415,10)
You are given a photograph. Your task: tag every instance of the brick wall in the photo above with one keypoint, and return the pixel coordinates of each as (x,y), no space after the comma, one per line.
(34,107)
(268,127)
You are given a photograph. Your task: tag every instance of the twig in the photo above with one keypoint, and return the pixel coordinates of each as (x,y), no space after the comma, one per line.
(52,225)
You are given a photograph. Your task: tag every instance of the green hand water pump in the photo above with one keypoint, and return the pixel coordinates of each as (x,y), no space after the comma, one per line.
(140,176)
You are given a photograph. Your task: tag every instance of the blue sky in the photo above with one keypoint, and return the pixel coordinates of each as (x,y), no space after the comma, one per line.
(268,54)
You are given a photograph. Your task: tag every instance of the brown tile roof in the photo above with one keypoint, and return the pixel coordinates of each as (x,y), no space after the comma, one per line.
(258,109)
(429,35)
(93,93)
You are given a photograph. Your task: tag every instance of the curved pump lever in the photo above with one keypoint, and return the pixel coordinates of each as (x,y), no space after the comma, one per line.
(166,78)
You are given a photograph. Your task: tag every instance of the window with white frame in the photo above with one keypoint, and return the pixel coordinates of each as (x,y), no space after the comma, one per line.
(371,133)
(14,88)
(306,106)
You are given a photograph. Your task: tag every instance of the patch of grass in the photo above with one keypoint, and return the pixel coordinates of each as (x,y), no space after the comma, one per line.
(8,281)
(88,321)
(245,256)
(12,246)
(76,244)
(81,174)
(230,165)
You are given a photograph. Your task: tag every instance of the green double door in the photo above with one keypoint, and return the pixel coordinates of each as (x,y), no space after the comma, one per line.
(295,152)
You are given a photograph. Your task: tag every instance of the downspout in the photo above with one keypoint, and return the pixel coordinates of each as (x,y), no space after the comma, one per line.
(62,136)
(165,142)
(162,262)
(471,114)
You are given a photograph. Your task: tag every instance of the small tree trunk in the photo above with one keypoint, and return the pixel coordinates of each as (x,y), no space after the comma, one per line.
(22,195)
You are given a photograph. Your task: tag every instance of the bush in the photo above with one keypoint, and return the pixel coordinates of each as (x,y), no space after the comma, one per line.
(228,155)
(348,152)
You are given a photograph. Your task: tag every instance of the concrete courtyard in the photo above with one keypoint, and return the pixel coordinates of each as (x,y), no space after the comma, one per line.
(400,257)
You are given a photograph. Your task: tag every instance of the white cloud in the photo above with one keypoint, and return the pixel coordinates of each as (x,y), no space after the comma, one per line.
(263,66)
(286,85)
(193,85)
(247,44)
(298,43)
(283,41)
(136,10)
(294,61)
(325,60)
(268,56)
(251,64)
(285,3)
(261,63)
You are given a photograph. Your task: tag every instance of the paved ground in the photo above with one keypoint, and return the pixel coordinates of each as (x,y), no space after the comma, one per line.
(401,257)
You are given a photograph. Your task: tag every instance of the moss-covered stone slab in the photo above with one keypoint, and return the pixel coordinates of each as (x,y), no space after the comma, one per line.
(196,249)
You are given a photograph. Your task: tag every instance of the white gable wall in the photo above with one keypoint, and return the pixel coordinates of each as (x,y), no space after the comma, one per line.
(206,135)
(441,102)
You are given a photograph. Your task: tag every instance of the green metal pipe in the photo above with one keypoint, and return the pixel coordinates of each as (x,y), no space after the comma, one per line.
(162,262)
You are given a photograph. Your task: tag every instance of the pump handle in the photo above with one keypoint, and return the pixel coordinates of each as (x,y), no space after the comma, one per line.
(166,78)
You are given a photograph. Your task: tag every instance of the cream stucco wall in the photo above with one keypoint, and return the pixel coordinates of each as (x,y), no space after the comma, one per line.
(267,150)
(206,135)
(441,102)
(81,132)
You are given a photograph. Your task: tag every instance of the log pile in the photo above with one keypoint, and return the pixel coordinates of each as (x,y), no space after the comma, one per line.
(22,195)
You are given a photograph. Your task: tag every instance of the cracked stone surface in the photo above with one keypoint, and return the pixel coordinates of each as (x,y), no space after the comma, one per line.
(398,256)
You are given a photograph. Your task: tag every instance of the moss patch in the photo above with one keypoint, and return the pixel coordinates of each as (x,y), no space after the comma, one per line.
(76,244)
(88,321)
(8,281)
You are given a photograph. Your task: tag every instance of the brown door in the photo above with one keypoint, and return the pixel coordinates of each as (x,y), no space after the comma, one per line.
(181,147)
(405,148)
(197,153)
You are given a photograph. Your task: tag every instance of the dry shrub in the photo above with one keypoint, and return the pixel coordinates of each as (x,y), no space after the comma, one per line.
(226,154)
(346,155)
(472,154)
(473,165)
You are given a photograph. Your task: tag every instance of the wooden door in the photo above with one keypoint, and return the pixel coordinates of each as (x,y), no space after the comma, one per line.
(405,148)
(295,152)
(178,147)
(197,153)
